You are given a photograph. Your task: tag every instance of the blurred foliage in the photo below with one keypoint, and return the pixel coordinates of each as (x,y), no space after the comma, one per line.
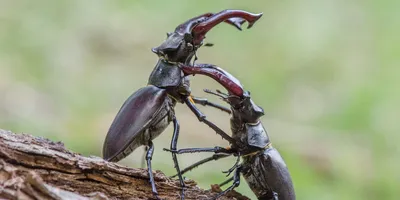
(324,71)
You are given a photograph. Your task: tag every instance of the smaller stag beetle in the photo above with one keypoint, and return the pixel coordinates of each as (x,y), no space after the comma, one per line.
(148,111)
(263,167)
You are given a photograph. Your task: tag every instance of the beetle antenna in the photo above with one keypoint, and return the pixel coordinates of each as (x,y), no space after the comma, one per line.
(222,93)
(223,96)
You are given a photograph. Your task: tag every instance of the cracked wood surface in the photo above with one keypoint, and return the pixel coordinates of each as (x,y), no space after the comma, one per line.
(37,168)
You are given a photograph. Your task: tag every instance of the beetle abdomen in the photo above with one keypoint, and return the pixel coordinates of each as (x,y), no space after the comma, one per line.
(128,130)
(150,133)
(267,173)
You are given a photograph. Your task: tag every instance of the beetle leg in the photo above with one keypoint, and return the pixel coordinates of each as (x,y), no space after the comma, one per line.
(216,156)
(275,196)
(149,156)
(226,182)
(229,171)
(174,143)
(202,118)
(236,183)
(205,102)
(142,164)
(197,150)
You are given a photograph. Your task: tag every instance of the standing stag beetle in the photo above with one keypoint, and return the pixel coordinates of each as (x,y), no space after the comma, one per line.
(148,111)
(263,167)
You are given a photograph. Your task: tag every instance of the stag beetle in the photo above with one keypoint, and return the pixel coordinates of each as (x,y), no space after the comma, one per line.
(263,167)
(148,111)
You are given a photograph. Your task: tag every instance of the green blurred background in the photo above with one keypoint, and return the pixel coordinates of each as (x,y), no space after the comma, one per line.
(325,71)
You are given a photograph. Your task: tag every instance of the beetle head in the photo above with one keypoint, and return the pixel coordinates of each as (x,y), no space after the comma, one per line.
(181,45)
(245,109)
(176,48)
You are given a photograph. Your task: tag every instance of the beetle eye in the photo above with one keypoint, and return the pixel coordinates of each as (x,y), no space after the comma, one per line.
(188,37)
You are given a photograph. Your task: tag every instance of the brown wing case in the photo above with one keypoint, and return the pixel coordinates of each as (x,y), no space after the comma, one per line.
(134,116)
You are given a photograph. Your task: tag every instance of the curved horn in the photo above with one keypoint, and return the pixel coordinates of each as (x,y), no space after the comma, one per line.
(229,82)
(187,26)
(202,28)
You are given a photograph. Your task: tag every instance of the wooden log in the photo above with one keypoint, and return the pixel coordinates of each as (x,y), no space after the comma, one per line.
(38,168)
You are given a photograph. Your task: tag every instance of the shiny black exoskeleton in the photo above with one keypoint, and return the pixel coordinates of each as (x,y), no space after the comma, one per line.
(148,111)
(262,167)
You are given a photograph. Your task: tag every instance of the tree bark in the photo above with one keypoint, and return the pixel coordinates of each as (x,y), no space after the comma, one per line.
(37,168)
